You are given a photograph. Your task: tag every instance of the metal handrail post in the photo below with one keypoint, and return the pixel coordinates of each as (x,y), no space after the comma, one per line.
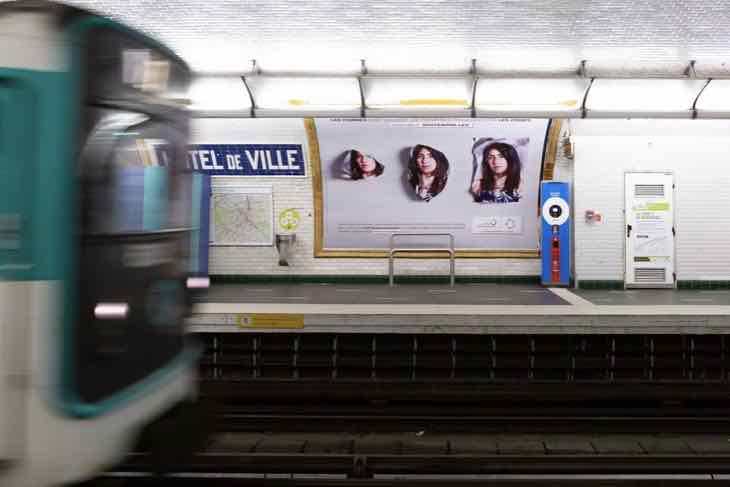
(452,271)
(390,267)
(450,250)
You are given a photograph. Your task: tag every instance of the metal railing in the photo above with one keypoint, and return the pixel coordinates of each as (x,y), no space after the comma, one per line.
(393,250)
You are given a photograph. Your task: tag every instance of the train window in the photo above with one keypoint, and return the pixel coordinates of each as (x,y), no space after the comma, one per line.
(133,175)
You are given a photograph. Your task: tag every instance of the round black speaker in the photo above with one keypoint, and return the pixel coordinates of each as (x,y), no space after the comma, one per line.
(555,211)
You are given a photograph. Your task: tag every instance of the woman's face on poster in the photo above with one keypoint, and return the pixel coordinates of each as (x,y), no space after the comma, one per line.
(365,163)
(425,161)
(496,161)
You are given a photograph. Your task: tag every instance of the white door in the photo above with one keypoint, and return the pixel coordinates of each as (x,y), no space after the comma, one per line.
(649,229)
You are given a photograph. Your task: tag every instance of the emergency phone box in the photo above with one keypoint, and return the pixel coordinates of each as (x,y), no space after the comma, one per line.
(555,217)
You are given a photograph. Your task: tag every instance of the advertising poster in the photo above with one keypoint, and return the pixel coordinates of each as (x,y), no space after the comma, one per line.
(653,229)
(476,179)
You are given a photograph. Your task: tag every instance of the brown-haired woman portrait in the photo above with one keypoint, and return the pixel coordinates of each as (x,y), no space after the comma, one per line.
(428,171)
(501,171)
(358,165)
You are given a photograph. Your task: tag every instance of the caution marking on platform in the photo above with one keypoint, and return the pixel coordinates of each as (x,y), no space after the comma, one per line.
(270,320)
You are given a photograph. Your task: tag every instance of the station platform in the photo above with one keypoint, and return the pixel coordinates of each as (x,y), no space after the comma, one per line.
(478,308)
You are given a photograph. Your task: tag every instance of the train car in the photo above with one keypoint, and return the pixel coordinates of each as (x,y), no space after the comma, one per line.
(94,241)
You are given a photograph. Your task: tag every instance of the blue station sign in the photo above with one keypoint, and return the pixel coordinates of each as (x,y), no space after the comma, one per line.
(247,159)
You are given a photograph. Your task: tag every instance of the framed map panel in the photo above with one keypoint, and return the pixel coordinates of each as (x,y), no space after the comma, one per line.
(241,214)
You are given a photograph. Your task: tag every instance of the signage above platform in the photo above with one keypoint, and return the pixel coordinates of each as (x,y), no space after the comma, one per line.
(247,159)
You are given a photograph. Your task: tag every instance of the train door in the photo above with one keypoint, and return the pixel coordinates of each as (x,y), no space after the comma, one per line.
(649,229)
(17,172)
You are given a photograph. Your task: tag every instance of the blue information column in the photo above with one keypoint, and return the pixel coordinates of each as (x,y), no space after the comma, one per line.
(200,236)
(554,200)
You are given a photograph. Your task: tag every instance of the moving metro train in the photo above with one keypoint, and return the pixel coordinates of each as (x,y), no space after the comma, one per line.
(95,240)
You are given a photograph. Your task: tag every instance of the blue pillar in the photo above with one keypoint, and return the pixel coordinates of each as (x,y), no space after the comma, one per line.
(555,217)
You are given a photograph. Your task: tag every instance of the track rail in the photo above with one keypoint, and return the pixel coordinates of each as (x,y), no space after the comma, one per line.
(457,393)
(464,424)
(393,450)
(136,479)
(369,466)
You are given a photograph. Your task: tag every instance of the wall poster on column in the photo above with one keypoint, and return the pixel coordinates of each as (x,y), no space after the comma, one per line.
(477,179)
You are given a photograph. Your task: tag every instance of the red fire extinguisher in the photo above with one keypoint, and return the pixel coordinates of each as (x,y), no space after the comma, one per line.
(555,255)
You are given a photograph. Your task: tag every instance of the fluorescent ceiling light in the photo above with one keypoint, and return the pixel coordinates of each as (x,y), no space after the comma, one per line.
(714,102)
(403,96)
(537,97)
(304,64)
(624,67)
(712,68)
(219,95)
(667,98)
(282,96)
(395,61)
(515,62)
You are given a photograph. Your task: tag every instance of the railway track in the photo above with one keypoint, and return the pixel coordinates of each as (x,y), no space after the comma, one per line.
(375,465)
(512,459)
(192,480)
(239,422)
(444,418)
(406,440)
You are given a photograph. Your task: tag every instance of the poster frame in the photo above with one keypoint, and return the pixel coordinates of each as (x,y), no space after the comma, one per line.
(548,164)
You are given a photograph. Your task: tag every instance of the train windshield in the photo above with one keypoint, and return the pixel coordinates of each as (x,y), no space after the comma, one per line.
(133,174)
(135,212)
(133,146)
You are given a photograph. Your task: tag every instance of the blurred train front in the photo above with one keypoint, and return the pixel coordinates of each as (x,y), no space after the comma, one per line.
(94,241)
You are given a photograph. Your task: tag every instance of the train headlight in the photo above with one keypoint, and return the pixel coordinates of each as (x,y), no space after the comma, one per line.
(111,311)
(198,282)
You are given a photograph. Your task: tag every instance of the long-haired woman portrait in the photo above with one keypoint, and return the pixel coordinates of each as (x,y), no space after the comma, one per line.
(501,174)
(359,165)
(428,171)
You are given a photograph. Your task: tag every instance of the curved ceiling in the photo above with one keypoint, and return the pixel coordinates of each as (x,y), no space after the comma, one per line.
(513,36)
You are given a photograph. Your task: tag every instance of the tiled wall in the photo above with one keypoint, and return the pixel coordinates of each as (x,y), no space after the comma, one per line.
(697,151)
(297,193)
(551,36)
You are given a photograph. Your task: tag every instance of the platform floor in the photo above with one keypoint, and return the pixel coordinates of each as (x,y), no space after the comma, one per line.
(656,297)
(465,308)
(427,294)
(469,294)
